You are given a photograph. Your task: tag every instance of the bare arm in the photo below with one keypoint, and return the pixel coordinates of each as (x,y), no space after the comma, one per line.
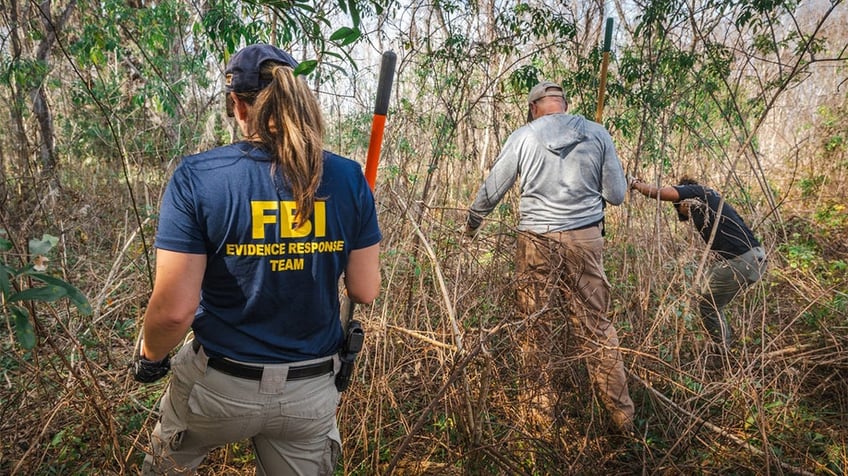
(666,194)
(362,274)
(176,295)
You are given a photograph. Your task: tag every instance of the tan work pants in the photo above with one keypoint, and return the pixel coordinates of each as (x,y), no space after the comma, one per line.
(564,272)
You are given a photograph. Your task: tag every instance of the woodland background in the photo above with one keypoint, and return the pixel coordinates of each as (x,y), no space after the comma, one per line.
(100,99)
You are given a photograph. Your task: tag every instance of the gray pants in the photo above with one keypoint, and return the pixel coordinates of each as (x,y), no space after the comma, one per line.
(292,424)
(724,282)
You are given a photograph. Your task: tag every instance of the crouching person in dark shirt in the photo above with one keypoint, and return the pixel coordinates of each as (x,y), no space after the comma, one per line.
(741,260)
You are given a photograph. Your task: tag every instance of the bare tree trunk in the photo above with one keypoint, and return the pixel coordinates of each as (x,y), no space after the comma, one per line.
(38,95)
(19,141)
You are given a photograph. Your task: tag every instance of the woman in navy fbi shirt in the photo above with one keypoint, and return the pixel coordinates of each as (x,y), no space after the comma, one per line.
(253,238)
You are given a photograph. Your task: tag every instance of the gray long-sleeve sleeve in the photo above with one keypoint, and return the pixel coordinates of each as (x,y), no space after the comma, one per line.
(613,179)
(500,179)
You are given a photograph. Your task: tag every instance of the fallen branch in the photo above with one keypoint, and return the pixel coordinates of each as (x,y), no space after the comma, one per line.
(437,270)
(424,338)
(721,431)
(792,349)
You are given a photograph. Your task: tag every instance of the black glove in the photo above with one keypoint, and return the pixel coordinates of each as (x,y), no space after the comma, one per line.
(148,371)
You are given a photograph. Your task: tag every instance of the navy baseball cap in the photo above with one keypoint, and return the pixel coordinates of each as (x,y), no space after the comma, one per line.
(242,73)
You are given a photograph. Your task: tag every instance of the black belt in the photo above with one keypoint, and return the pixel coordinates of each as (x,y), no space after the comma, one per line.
(254,372)
(590,225)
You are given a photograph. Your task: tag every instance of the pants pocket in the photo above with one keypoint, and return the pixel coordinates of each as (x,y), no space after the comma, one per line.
(332,452)
(207,402)
(310,410)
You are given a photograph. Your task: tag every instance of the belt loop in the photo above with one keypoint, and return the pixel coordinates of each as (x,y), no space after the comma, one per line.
(273,380)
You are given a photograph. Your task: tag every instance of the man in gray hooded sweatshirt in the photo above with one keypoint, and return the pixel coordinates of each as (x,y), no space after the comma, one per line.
(568,170)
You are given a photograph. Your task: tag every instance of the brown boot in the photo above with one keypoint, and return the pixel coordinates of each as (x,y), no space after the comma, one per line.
(622,423)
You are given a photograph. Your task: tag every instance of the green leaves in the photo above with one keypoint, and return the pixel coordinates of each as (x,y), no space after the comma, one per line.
(345,35)
(285,23)
(23,328)
(306,67)
(44,294)
(27,73)
(76,297)
(42,246)
(29,285)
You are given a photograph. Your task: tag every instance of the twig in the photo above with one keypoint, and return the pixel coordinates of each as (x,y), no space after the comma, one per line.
(109,285)
(424,338)
(34,444)
(792,349)
(437,270)
(721,431)
(457,371)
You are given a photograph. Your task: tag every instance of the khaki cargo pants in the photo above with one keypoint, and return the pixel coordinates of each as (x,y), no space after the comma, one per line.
(723,283)
(292,424)
(564,272)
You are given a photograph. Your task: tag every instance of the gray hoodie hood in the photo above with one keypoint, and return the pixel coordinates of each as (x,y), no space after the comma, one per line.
(559,132)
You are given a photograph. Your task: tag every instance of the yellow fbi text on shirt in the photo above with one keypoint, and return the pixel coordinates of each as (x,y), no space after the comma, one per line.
(266,215)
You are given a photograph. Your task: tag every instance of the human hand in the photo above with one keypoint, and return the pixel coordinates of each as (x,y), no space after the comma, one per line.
(632,181)
(149,371)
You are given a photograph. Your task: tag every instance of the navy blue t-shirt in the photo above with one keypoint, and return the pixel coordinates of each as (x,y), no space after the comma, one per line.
(732,237)
(270,292)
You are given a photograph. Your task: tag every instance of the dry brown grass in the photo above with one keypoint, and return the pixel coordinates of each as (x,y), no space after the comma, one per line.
(443,386)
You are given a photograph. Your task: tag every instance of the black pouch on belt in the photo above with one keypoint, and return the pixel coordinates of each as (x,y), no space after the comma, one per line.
(347,355)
